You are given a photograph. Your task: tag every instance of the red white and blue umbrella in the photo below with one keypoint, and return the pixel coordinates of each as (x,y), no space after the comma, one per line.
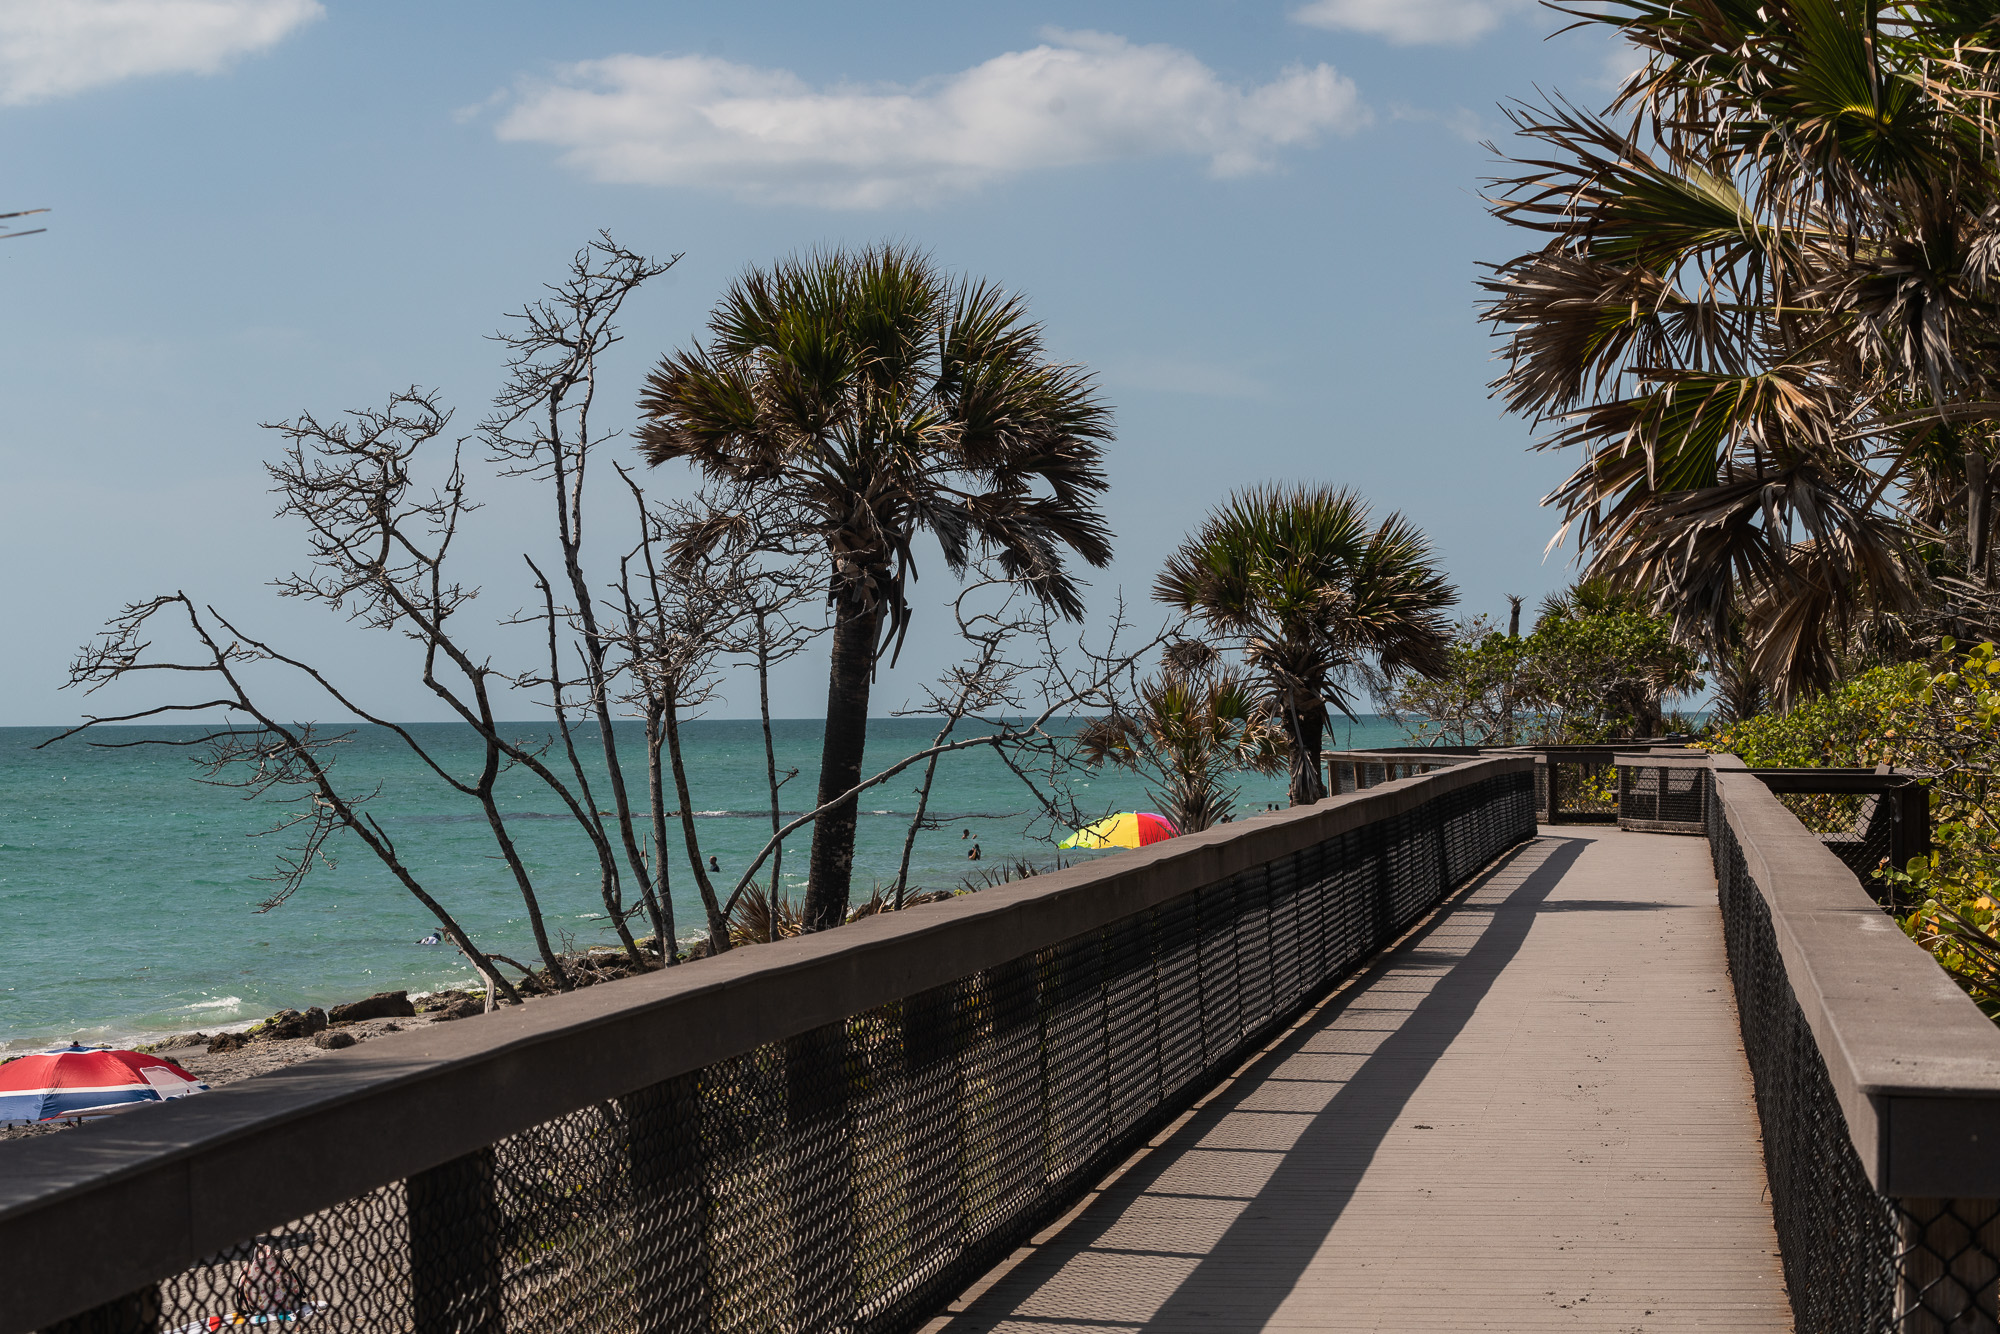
(75,1080)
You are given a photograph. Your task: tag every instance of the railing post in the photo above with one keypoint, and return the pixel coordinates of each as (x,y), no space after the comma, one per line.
(1385,887)
(1910,824)
(1435,808)
(134,1313)
(669,1207)
(455,1247)
(936,1148)
(820,1175)
(1555,790)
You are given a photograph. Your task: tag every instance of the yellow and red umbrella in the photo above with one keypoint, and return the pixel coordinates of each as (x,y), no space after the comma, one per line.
(1127,829)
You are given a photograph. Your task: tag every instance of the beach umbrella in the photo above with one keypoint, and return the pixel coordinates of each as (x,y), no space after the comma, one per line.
(74,1080)
(1127,829)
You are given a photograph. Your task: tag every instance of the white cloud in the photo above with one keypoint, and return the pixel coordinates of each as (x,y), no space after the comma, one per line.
(52,48)
(1461,121)
(1411,22)
(1079,98)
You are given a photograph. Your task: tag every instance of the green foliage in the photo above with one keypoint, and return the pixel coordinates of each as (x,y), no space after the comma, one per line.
(1945,724)
(1595,676)
(1863,722)
(1596,667)
(1465,704)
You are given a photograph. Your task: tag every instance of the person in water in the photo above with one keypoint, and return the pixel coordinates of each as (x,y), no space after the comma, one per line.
(713,865)
(972,853)
(432,939)
(965,834)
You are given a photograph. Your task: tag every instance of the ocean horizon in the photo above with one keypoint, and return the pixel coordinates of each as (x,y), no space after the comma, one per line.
(128,887)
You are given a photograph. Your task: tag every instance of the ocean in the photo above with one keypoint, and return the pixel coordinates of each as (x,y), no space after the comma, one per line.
(128,888)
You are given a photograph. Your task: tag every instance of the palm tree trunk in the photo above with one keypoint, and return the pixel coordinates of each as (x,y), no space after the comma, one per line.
(1976,488)
(830,870)
(1308,728)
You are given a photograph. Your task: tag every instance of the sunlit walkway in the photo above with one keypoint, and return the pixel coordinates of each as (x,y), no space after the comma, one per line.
(1533,1115)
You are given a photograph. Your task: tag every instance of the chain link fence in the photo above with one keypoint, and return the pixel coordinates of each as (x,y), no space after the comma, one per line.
(855,1176)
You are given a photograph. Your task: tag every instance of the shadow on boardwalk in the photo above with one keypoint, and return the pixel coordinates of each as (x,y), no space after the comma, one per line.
(1360,1114)
(1225,1223)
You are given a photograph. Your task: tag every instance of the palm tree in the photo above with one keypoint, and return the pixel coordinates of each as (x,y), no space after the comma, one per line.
(1313,592)
(1191,726)
(878,399)
(1764,305)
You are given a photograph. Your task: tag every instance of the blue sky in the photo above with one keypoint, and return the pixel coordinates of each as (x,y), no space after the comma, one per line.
(1257,220)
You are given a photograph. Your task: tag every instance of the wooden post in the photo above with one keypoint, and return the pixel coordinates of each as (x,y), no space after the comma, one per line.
(669,1237)
(1910,824)
(455,1247)
(1975,514)
(819,1169)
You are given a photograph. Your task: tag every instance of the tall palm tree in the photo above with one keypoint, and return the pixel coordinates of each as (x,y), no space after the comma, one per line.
(1764,305)
(878,399)
(1313,592)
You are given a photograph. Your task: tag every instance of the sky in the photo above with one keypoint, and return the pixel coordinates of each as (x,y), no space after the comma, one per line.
(1258,222)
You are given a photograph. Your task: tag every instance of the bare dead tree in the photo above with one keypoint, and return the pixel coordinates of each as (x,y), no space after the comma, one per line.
(380,544)
(775,577)
(672,627)
(541,428)
(263,757)
(21,213)
(982,682)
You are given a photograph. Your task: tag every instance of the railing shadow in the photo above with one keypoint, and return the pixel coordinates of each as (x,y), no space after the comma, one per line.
(1288,1218)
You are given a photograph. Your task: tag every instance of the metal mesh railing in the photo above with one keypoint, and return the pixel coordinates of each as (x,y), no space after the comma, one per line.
(1855,827)
(855,1176)
(1588,790)
(1856,1261)
(1662,797)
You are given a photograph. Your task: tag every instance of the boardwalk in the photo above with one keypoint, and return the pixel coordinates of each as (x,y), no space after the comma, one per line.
(1534,1115)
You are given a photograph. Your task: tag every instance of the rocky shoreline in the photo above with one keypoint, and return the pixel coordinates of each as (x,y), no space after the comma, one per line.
(291,1036)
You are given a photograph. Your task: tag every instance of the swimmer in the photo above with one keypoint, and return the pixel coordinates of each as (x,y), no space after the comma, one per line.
(432,939)
(713,865)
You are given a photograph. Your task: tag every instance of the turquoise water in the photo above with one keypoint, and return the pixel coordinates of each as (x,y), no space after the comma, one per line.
(128,888)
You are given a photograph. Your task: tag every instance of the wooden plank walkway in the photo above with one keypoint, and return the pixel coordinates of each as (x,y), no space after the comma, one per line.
(1532,1115)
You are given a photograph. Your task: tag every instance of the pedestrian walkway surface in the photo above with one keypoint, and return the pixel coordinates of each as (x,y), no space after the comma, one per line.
(1532,1115)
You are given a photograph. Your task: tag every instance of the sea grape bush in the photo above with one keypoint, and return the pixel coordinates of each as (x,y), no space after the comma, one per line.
(1581,677)
(1864,721)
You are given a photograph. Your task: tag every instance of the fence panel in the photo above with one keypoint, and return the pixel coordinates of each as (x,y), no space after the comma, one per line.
(1862,1253)
(853,1174)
